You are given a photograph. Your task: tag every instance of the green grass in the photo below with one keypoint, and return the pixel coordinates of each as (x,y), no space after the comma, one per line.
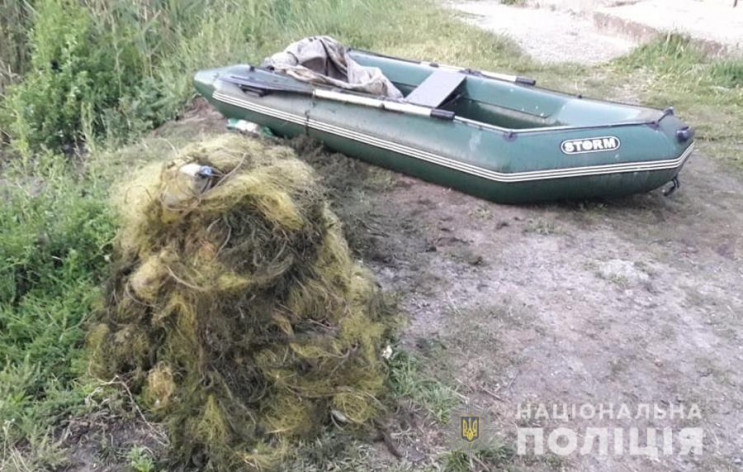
(79,78)
(494,457)
(408,380)
(140,460)
(55,233)
(708,93)
(112,69)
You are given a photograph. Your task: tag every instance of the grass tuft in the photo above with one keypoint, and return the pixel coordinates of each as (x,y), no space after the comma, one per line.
(482,459)
(407,380)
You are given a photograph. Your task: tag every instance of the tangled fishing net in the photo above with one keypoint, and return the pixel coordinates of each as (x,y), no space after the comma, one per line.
(234,309)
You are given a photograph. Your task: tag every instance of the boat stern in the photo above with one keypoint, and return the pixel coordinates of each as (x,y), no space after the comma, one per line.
(680,135)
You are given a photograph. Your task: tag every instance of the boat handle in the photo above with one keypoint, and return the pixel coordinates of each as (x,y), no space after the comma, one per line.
(684,134)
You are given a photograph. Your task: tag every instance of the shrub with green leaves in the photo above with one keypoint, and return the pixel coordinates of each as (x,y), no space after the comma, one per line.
(81,68)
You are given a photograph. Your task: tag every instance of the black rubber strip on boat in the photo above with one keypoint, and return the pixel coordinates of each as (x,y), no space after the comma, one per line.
(442,114)
(526,81)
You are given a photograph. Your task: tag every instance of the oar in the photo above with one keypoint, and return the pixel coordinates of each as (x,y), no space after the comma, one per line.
(491,75)
(255,85)
(262,87)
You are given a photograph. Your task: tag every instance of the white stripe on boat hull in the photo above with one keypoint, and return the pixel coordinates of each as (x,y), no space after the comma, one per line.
(454,164)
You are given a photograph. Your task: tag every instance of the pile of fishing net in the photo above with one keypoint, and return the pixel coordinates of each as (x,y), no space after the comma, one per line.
(234,309)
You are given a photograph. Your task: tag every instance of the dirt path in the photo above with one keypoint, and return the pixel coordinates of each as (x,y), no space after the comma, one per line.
(633,302)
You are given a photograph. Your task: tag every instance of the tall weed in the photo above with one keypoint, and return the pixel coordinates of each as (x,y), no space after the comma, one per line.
(15,17)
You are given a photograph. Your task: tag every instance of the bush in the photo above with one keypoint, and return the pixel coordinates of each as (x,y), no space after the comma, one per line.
(114,68)
(83,64)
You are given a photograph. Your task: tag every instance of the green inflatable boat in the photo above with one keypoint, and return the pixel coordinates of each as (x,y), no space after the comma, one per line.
(495,136)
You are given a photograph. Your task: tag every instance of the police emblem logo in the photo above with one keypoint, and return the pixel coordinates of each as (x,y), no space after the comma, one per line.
(470,428)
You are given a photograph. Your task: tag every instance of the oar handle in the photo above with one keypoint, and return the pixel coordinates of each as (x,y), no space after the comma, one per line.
(265,86)
(509,78)
(491,75)
(401,107)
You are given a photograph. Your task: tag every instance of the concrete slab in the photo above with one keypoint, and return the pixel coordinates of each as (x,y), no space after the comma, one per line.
(714,23)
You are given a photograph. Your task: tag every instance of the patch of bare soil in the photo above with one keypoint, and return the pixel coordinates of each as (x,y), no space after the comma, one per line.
(635,301)
(102,440)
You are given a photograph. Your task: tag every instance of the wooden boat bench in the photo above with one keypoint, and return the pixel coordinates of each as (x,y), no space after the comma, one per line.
(436,88)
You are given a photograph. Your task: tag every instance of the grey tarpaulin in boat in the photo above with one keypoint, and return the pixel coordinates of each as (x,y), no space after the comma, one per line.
(323,60)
